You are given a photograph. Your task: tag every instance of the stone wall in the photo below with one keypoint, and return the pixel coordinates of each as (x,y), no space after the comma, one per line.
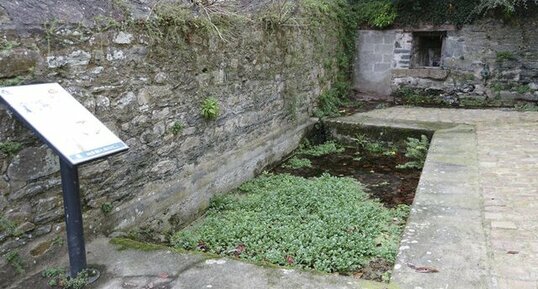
(373,62)
(487,63)
(149,93)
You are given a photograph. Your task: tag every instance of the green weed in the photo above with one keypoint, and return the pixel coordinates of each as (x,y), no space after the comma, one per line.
(12,81)
(297,163)
(14,259)
(104,23)
(277,14)
(53,274)
(57,277)
(58,241)
(10,148)
(418,97)
(329,101)
(416,150)
(210,108)
(504,55)
(497,87)
(106,208)
(473,102)
(526,107)
(7,45)
(375,147)
(176,128)
(9,227)
(522,89)
(50,27)
(325,223)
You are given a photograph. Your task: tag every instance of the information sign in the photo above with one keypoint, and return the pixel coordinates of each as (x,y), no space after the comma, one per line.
(62,122)
(76,135)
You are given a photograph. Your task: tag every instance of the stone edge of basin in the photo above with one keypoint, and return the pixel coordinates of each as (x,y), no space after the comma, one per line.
(344,128)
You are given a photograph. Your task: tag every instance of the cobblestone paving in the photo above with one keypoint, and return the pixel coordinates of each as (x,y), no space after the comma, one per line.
(507,154)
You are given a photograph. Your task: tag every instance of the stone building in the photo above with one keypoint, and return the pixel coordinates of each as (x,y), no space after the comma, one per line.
(486,63)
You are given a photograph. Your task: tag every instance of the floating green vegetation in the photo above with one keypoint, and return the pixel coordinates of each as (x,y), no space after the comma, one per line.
(325,223)
(298,163)
(320,150)
(376,147)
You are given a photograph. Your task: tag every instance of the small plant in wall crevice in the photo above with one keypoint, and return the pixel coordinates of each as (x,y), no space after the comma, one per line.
(14,259)
(10,148)
(210,108)
(106,208)
(176,128)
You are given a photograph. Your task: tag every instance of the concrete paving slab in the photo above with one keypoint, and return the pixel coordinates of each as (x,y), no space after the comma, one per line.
(168,269)
(165,268)
(475,211)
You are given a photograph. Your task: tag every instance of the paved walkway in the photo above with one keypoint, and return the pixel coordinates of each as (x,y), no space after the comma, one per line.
(475,216)
(166,269)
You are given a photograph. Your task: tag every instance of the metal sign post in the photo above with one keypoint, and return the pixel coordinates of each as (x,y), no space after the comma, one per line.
(76,136)
(73,218)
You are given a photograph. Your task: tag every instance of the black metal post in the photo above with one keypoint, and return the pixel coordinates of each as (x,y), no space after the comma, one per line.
(73,218)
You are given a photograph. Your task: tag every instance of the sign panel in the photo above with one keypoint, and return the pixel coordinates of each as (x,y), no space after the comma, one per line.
(62,122)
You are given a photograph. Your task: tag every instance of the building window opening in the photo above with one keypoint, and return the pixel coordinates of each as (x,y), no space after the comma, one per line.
(427,49)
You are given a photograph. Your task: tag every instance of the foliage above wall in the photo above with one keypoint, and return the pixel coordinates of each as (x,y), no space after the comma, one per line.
(508,6)
(384,13)
(456,12)
(379,14)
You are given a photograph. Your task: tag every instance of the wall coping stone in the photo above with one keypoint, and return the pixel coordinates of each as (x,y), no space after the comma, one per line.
(431,73)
